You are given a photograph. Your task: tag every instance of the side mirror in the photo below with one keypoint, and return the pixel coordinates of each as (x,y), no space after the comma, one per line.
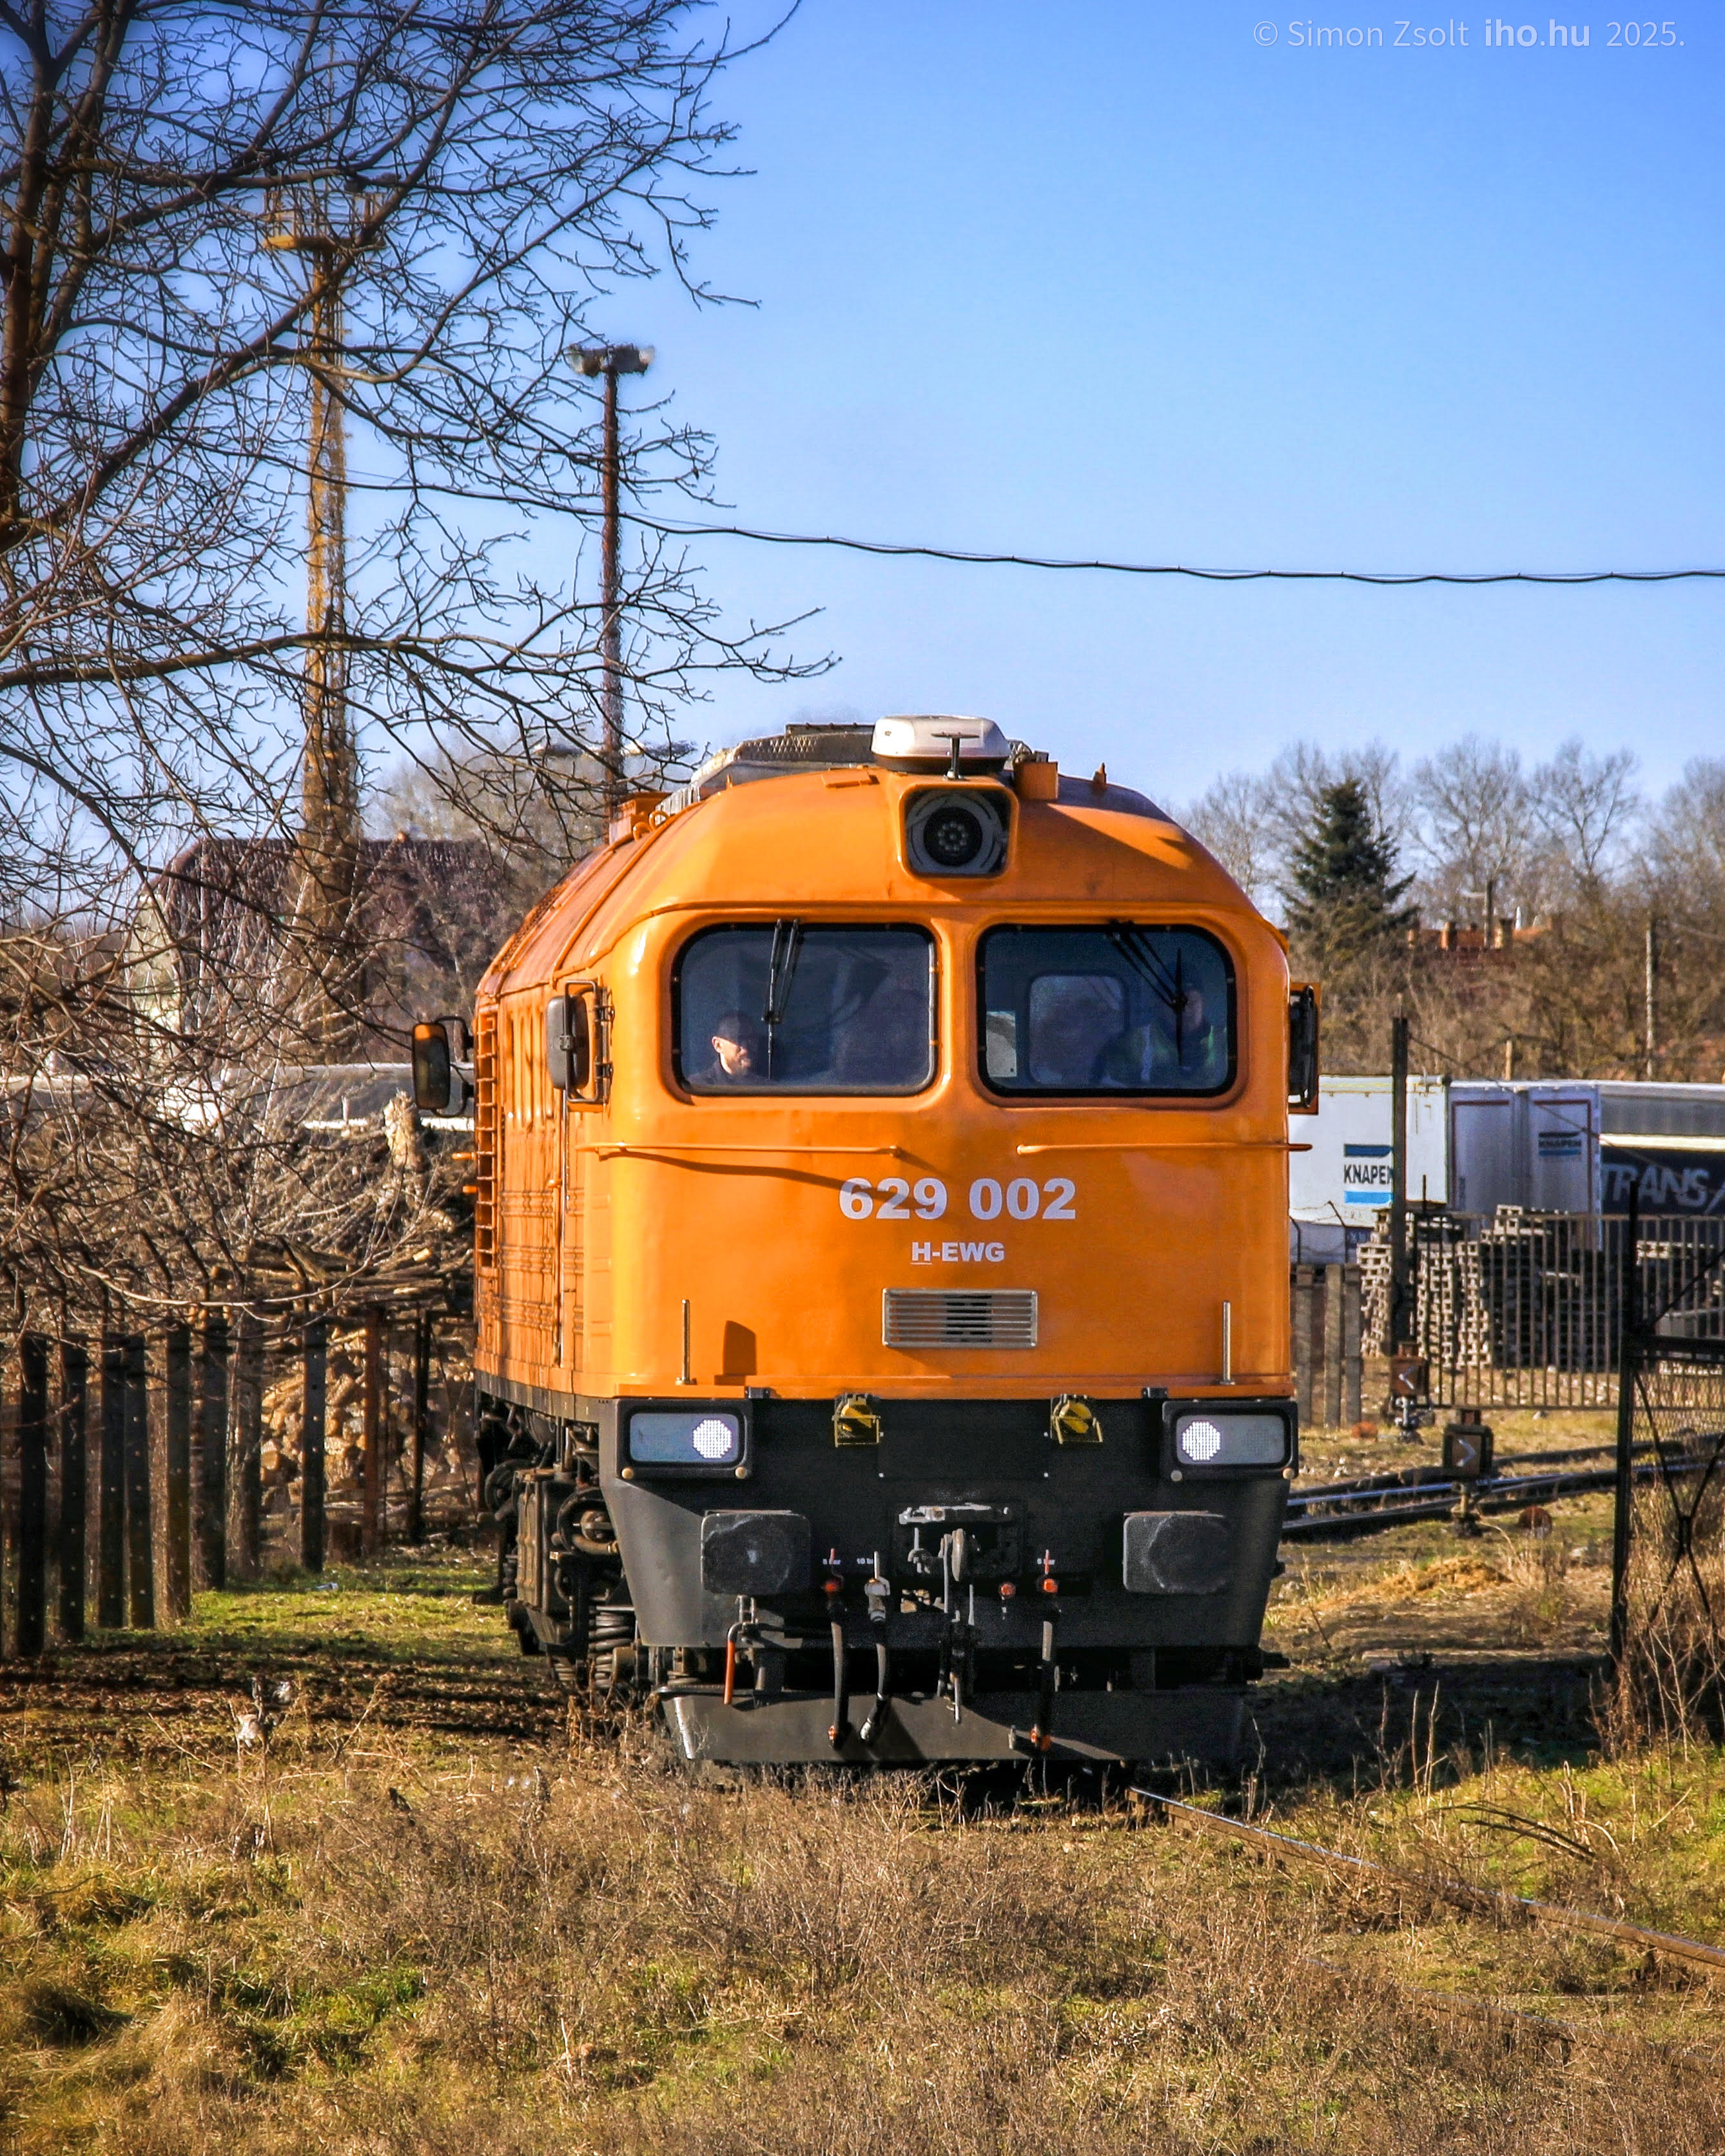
(1302,1050)
(434,1068)
(568,1043)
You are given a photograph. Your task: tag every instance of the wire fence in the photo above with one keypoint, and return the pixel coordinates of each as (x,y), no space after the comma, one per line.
(1522,1309)
(1668,1557)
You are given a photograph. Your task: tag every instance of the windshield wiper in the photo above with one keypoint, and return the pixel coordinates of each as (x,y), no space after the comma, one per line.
(781,971)
(1135,946)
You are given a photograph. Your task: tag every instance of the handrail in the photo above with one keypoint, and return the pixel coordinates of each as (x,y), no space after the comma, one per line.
(1166,1145)
(706,1145)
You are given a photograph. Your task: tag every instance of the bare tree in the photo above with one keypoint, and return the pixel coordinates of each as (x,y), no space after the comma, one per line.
(1253,822)
(1302,771)
(244,241)
(1587,806)
(1236,818)
(1570,844)
(1685,846)
(186,183)
(1475,831)
(1682,878)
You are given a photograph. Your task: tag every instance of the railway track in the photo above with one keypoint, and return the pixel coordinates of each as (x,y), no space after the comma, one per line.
(1484,1901)
(1364,1505)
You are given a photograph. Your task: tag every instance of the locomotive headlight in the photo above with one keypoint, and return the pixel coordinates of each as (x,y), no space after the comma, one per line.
(951,831)
(715,1438)
(708,1437)
(953,837)
(1231,1440)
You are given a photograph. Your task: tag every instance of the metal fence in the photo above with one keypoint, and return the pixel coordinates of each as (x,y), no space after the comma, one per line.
(1520,1309)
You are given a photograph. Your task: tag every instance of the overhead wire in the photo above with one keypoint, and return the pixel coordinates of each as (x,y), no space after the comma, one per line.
(916,550)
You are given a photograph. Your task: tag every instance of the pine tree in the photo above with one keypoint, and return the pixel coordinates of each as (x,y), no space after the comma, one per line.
(1345,894)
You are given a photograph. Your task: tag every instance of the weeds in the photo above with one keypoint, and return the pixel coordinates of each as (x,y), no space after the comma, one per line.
(354,1936)
(598,1955)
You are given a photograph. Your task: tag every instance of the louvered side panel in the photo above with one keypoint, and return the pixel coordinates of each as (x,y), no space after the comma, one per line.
(943,1317)
(484,1142)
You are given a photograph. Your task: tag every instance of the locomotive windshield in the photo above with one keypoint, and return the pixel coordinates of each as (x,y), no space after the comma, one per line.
(790,1007)
(1119,1009)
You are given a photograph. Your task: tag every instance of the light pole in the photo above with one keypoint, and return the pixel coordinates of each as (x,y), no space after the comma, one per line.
(611,361)
(330,235)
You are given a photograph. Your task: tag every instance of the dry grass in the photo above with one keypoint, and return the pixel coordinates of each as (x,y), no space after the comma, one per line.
(372,1940)
(1403,1580)
(1670,1688)
(1414,1589)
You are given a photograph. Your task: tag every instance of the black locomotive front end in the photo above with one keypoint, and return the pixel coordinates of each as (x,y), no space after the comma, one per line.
(911,1580)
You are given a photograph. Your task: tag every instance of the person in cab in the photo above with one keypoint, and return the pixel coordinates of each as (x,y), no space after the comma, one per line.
(1181,1049)
(739,1057)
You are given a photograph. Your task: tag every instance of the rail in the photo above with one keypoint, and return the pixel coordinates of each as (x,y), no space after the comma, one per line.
(1695,1953)
(1362,1506)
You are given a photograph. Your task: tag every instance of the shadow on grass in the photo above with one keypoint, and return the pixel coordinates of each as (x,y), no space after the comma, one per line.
(1349,1730)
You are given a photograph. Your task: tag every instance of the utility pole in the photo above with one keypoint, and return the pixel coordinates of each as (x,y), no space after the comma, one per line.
(1651,994)
(610,361)
(329,793)
(1399,1328)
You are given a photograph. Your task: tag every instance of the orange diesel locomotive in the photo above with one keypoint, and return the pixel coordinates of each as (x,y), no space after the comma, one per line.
(881,1199)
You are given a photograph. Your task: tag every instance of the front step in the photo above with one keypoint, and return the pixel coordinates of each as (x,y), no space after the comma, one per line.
(1151,1729)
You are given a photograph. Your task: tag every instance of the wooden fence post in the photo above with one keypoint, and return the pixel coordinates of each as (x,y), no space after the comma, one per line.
(1333,1390)
(1352,1362)
(75,1483)
(314,1364)
(372,1520)
(110,1517)
(176,1464)
(422,1424)
(32,1634)
(140,1556)
(1302,1326)
(212,1494)
(245,1452)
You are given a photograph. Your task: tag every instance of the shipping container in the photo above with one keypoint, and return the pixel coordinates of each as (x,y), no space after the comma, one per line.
(1585,1145)
(1338,1190)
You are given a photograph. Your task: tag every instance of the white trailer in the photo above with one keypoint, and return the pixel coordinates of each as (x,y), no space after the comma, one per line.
(1339,1189)
(1583,1146)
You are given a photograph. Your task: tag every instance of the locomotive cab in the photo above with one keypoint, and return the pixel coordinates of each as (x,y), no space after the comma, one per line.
(881,1161)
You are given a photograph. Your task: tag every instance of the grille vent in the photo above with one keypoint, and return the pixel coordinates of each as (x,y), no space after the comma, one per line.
(951,1318)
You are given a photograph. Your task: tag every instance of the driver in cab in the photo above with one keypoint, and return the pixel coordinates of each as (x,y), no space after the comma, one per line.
(1180,1049)
(738,1055)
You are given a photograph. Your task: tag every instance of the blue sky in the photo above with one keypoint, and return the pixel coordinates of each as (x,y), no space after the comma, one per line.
(1131,279)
